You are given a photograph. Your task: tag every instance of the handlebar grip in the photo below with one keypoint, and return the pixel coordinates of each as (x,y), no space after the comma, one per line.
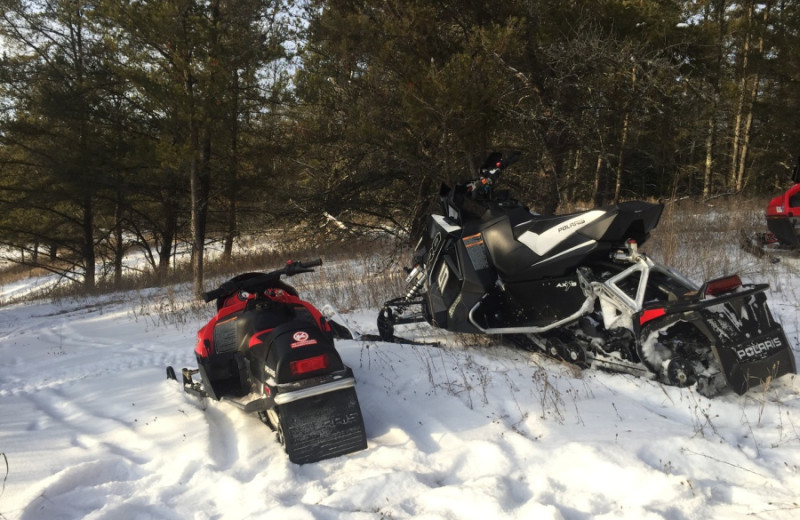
(225,289)
(312,263)
(211,295)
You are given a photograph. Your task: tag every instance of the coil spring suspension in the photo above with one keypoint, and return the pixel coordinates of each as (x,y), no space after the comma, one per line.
(413,291)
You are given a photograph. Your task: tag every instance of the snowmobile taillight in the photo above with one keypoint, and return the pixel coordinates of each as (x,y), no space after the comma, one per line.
(312,364)
(723,285)
(651,314)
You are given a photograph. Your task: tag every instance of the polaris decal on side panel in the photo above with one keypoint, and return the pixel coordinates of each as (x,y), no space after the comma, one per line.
(541,243)
(759,349)
(436,245)
(444,274)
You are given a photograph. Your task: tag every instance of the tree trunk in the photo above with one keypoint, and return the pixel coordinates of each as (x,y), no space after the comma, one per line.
(622,142)
(597,196)
(233,167)
(621,158)
(199,207)
(88,244)
(752,97)
(119,249)
(709,161)
(718,9)
(549,199)
(196,189)
(736,152)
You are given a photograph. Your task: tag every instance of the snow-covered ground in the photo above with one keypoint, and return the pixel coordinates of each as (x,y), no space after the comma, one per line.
(91,428)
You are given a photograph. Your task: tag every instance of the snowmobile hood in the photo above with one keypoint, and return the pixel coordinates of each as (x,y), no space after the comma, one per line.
(775,208)
(786,204)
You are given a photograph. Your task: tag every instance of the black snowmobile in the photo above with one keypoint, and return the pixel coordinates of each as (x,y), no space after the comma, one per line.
(577,287)
(266,351)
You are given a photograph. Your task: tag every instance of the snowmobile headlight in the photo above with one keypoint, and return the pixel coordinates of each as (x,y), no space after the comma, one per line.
(779,209)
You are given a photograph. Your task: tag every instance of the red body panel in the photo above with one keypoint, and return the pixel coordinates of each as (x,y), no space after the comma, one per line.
(234,304)
(785,205)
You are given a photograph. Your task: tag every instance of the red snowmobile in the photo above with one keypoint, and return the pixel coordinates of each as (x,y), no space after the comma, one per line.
(783,218)
(783,223)
(267,351)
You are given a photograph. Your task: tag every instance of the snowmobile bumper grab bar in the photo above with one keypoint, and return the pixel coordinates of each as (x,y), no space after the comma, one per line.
(303,393)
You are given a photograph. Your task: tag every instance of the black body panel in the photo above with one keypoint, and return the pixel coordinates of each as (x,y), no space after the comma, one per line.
(294,341)
(542,247)
(224,374)
(785,228)
(530,304)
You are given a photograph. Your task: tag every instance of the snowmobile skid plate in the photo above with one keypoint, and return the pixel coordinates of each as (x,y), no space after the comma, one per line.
(323,426)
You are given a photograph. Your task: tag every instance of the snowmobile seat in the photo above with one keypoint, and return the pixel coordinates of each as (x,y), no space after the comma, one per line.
(629,220)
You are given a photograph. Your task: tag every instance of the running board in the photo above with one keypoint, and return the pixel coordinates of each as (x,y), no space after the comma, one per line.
(586,308)
(250,403)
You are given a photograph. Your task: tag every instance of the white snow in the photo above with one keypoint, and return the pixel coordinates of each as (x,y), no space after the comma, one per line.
(91,428)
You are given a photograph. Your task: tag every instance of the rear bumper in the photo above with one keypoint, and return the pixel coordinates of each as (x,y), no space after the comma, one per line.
(289,396)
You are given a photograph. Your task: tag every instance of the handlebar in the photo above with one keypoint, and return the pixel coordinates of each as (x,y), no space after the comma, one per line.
(253,283)
(495,163)
(489,173)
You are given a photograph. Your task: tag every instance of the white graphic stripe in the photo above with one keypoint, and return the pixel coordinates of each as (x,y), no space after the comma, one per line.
(544,242)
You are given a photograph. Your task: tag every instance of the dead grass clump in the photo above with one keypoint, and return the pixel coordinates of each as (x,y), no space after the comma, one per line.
(702,239)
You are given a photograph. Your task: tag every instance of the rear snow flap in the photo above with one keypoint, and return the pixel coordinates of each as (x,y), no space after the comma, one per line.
(756,361)
(323,426)
(750,346)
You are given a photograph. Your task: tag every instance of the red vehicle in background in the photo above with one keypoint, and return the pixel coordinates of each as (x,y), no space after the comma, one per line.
(783,217)
(267,351)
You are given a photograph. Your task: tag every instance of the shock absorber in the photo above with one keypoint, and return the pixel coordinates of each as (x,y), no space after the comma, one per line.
(417,276)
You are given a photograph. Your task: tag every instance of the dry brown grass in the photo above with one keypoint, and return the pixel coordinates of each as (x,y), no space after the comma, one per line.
(699,239)
(703,239)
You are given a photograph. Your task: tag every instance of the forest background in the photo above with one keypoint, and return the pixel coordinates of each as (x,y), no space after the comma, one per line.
(148,124)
